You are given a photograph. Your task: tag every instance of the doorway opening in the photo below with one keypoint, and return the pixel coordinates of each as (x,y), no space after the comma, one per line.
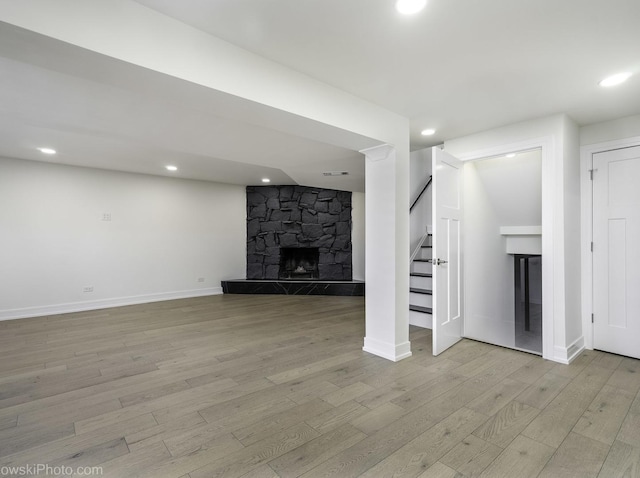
(503,213)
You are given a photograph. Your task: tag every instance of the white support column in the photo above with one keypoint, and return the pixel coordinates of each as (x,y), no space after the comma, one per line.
(387,253)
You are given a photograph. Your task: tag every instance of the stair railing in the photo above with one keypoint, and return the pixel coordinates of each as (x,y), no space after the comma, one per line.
(421,193)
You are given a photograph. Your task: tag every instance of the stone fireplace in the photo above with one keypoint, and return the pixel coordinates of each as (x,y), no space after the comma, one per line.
(298,233)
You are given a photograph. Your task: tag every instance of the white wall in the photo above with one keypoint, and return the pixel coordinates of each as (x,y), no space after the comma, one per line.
(621,128)
(357,235)
(164,234)
(572,233)
(498,192)
(420,170)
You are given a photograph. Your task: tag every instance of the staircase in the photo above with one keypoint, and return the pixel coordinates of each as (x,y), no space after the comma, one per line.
(420,278)
(420,285)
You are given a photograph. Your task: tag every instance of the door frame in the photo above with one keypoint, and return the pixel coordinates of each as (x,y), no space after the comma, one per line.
(547,146)
(586,219)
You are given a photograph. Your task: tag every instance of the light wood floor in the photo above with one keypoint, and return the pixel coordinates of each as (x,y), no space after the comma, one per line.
(268,386)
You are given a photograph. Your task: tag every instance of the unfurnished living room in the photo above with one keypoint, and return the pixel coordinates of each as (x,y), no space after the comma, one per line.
(286,238)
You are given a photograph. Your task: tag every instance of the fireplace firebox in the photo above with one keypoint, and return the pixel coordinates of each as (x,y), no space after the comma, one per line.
(299,263)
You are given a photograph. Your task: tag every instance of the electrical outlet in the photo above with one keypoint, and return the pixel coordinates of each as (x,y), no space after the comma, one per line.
(88,289)
(200,279)
(106,216)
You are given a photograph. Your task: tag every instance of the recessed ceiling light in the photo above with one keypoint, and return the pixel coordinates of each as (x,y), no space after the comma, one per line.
(171,168)
(616,79)
(428,132)
(47,150)
(266,180)
(511,155)
(409,7)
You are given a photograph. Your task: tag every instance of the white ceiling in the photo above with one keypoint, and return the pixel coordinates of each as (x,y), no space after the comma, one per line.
(460,66)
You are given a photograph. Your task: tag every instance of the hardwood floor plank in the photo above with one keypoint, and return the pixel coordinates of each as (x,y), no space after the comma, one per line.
(602,420)
(8,422)
(69,412)
(522,458)
(425,450)
(30,437)
(505,425)
(532,371)
(426,393)
(378,418)
(209,451)
(439,470)
(577,457)
(94,455)
(189,395)
(207,404)
(272,424)
(493,400)
(264,471)
(347,393)
(305,391)
(135,464)
(390,391)
(471,456)
(630,430)
(543,390)
(316,451)
(314,367)
(336,417)
(137,439)
(623,460)
(73,444)
(626,376)
(153,393)
(556,421)
(245,460)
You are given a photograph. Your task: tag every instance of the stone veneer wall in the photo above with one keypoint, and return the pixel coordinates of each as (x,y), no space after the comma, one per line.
(298,216)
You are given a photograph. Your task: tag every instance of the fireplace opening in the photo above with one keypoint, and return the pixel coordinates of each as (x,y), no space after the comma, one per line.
(297,263)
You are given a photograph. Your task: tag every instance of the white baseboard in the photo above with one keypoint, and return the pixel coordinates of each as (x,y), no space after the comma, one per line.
(566,355)
(54,309)
(387,350)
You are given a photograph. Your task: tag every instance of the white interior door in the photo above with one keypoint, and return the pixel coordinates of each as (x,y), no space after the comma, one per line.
(447,250)
(616,251)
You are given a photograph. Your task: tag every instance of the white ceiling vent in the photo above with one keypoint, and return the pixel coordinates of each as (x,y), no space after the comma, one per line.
(336,173)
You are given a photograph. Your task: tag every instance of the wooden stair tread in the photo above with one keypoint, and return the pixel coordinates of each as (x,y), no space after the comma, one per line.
(419,308)
(417,290)
(421,274)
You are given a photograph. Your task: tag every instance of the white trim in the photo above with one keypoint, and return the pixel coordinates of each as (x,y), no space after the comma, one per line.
(378,153)
(566,355)
(586,216)
(486,153)
(387,350)
(546,144)
(10,314)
